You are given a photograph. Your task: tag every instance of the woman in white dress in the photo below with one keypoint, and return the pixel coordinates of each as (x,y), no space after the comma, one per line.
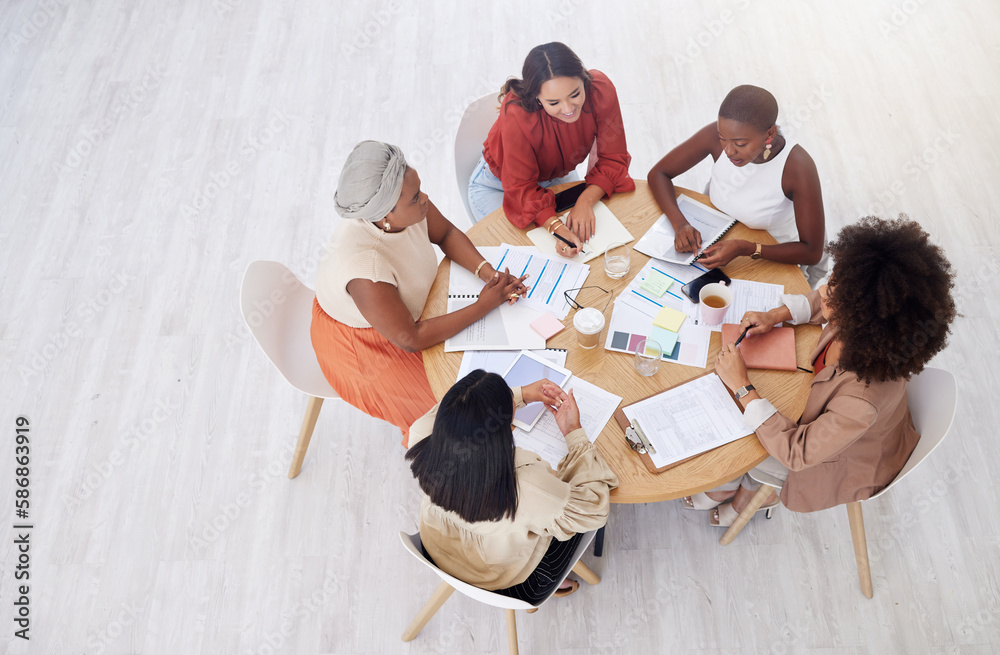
(760,177)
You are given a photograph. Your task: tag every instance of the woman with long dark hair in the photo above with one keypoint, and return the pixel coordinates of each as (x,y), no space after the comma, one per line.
(494,515)
(549,122)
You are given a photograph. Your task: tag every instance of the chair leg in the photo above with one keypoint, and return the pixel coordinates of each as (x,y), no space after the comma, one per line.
(857,521)
(599,542)
(586,573)
(442,594)
(305,434)
(511,632)
(756,502)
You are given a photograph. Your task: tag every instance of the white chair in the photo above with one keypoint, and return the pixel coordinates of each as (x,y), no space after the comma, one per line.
(277,308)
(449,584)
(476,122)
(932,397)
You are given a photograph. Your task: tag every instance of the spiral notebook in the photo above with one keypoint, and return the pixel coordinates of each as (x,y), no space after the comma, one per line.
(507,327)
(658,242)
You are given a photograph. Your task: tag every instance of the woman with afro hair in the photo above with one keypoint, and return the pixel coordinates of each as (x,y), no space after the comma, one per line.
(887,310)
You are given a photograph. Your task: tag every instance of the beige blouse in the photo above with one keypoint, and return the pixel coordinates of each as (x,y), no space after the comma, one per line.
(360,250)
(551,504)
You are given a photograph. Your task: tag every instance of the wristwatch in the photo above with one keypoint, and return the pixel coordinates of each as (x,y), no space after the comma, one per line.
(756,255)
(742,391)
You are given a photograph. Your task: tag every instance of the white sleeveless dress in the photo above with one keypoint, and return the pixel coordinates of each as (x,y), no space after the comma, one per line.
(752,195)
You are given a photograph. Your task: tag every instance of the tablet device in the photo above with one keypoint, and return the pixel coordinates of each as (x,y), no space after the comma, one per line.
(525,369)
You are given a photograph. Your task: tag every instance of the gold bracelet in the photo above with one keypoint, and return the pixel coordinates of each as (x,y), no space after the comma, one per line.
(554,225)
(480,267)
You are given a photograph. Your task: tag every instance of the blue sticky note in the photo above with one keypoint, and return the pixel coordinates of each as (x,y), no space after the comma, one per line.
(665,338)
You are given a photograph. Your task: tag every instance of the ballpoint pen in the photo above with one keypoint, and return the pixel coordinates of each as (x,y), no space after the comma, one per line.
(569,243)
(745,330)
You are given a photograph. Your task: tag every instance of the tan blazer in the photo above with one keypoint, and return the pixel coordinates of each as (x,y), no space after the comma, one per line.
(851,441)
(550,504)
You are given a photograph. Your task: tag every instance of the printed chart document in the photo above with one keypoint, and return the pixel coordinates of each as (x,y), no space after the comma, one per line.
(548,277)
(596,408)
(635,309)
(607,230)
(658,242)
(689,419)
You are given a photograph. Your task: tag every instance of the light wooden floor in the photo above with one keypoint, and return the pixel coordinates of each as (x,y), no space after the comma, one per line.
(150,151)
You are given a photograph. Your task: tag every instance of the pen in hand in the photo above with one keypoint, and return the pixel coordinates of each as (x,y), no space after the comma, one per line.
(569,243)
(745,330)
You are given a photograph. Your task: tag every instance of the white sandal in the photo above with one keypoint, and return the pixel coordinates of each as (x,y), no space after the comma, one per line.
(724,515)
(700,501)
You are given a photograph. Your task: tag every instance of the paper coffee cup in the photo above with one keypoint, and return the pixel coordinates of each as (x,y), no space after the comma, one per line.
(588,323)
(714,300)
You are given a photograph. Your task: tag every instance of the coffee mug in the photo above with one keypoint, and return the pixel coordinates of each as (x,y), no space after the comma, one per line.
(714,300)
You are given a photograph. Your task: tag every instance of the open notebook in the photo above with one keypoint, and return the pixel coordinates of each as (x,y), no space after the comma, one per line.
(607,230)
(658,242)
(508,327)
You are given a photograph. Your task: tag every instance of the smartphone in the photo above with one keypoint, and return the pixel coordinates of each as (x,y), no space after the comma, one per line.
(693,288)
(566,198)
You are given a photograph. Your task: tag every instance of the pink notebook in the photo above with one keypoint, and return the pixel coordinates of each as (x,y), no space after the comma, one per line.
(774,350)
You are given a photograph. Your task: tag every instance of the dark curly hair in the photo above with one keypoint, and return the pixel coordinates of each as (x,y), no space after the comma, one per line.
(543,63)
(890,294)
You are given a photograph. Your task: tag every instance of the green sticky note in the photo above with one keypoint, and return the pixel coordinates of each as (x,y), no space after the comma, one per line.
(669,319)
(656,283)
(666,339)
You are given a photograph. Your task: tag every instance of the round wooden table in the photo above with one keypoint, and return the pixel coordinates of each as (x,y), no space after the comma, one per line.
(614,371)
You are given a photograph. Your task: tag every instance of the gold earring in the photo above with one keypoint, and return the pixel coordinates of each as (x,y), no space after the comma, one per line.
(767,149)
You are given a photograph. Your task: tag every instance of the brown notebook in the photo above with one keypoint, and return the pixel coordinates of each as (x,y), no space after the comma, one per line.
(772,350)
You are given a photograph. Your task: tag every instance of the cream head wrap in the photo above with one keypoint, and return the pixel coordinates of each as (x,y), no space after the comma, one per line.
(371,181)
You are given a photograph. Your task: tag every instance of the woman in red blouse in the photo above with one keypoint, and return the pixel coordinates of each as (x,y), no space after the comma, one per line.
(549,122)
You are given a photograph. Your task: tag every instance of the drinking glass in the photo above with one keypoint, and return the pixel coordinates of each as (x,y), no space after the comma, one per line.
(617,260)
(648,355)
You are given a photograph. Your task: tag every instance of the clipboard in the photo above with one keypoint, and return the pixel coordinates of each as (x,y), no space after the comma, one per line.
(635,438)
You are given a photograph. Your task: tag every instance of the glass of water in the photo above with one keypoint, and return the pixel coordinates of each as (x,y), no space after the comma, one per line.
(648,355)
(617,260)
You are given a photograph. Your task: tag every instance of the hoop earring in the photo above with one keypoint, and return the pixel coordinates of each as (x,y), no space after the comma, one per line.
(767,148)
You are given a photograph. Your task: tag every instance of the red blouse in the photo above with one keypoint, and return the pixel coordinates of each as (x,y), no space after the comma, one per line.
(525,148)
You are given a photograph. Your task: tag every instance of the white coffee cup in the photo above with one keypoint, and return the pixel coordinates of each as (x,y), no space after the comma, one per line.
(589,323)
(715,299)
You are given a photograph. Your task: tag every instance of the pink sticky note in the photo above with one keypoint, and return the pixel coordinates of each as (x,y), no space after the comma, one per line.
(547,325)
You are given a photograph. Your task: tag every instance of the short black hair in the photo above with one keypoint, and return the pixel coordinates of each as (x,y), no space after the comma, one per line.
(466,464)
(751,105)
(890,293)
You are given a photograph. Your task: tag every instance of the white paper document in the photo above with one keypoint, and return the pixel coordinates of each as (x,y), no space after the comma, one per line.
(508,327)
(658,242)
(596,408)
(607,230)
(687,420)
(548,277)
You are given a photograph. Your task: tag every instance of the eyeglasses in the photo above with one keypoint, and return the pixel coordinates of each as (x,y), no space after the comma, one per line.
(575,305)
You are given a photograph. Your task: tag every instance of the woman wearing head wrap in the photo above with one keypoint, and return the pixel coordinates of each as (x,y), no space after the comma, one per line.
(760,177)
(374,281)
(549,121)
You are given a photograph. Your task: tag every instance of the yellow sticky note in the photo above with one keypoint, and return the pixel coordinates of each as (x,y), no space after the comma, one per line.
(669,319)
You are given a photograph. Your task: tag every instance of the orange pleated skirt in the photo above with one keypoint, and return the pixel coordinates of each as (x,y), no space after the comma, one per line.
(369,372)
